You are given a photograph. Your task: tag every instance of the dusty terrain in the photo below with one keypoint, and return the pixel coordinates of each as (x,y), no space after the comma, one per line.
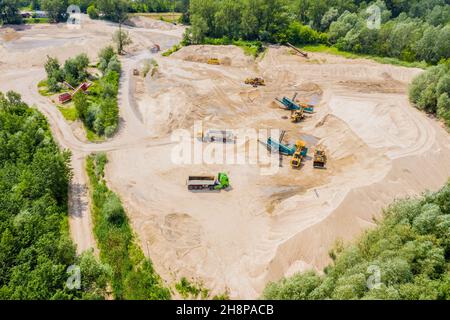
(266,226)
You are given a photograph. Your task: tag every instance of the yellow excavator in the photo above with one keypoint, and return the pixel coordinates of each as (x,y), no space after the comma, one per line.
(213,61)
(255,82)
(299,153)
(320,158)
(297,115)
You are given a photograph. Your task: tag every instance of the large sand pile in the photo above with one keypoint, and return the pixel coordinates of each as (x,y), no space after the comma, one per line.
(150,23)
(379,148)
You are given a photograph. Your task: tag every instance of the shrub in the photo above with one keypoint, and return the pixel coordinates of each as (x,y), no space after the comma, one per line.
(113,210)
(92,12)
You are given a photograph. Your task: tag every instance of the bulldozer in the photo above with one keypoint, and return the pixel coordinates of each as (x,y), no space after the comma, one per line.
(299,153)
(255,82)
(320,159)
(213,61)
(297,115)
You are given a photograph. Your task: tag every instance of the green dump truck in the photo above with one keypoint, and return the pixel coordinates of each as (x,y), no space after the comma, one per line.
(208,182)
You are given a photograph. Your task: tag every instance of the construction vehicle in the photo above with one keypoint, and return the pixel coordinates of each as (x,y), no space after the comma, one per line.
(284,149)
(255,82)
(208,182)
(155,49)
(300,152)
(213,61)
(224,136)
(65,97)
(297,151)
(290,104)
(320,159)
(297,115)
(304,54)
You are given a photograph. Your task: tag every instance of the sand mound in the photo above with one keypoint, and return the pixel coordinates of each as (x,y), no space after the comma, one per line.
(9,34)
(149,23)
(227,55)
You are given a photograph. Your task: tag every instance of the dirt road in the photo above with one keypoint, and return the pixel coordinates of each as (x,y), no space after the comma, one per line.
(24,80)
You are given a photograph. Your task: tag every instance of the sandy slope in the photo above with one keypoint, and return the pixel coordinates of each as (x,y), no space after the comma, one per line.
(266,226)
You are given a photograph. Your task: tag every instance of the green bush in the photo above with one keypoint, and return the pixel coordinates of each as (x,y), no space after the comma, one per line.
(113,210)
(430,91)
(299,34)
(92,12)
(175,48)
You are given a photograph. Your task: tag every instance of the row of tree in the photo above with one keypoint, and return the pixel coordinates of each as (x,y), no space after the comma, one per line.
(430,91)
(110,9)
(407,256)
(37,258)
(408,30)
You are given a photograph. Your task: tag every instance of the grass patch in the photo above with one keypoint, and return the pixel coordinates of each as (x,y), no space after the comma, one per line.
(69,112)
(44,91)
(133,276)
(189,290)
(35,20)
(352,55)
(175,48)
(92,136)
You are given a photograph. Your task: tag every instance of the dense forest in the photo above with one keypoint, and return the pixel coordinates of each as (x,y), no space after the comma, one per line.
(35,248)
(413,30)
(407,256)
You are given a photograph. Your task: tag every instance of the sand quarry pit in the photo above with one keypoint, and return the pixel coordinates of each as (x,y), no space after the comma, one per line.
(269,226)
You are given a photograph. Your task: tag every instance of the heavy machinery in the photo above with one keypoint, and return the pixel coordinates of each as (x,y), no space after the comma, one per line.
(255,82)
(320,159)
(304,54)
(297,115)
(65,97)
(297,151)
(290,104)
(213,61)
(300,152)
(224,136)
(278,147)
(208,182)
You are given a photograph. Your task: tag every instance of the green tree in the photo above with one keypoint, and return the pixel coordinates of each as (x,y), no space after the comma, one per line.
(56,9)
(122,39)
(9,12)
(92,12)
(81,104)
